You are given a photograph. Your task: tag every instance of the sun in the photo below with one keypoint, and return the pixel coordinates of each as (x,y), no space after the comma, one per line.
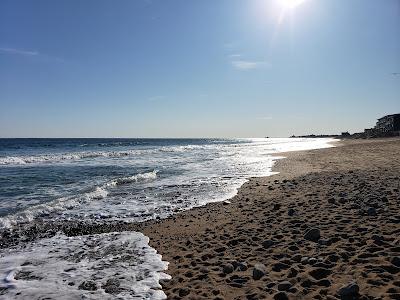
(290,4)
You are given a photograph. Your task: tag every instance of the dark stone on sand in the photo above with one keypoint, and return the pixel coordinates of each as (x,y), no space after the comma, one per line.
(325,265)
(291,212)
(306,283)
(277,206)
(391,269)
(304,260)
(279,266)
(284,286)
(237,281)
(312,234)
(281,296)
(259,271)
(312,261)
(88,286)
(296,258)
(371,211)
(331,200)
(241,266)
(396,261)
(292,273)
(324,282)
(220,249)
(183,292)
(293,248)
(333,258)
(320,273)
(268,243)
(228,268)
(349,290)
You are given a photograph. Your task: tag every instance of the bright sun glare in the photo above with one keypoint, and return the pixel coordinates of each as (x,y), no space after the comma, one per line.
(290,3)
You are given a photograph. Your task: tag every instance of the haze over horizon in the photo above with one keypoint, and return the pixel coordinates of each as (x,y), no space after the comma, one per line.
(178,68)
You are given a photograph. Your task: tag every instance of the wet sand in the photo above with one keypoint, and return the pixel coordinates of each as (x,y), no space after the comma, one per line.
(326,227)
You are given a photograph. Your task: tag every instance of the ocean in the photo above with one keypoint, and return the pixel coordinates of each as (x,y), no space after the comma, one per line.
(113,180)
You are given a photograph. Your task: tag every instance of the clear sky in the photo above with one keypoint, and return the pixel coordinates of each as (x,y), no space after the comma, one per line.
(196,68)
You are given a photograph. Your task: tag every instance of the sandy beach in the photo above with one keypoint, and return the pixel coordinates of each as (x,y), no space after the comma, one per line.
(326,227)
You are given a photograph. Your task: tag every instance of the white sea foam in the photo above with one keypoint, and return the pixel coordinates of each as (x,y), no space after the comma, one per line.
(117,266)
(62,157)
(67,203)
(134,178)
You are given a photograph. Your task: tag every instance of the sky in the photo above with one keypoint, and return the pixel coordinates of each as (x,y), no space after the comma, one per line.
(191,68)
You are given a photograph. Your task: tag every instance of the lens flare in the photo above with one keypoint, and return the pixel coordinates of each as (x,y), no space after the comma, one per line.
(291,3)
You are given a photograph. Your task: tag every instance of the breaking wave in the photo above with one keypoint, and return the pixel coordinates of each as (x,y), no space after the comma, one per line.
(50,158)
(61,204)
(134,178)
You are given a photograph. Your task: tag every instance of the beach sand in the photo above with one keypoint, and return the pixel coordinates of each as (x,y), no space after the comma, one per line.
(326,227)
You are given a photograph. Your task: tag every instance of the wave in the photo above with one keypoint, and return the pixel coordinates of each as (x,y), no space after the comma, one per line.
(67,203)
(48,158)
(64,157)
(134,178)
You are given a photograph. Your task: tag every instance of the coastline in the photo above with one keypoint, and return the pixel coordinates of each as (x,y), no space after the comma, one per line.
(212,250)
(349,193)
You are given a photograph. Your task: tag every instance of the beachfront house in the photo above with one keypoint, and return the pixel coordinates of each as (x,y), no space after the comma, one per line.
(388,125)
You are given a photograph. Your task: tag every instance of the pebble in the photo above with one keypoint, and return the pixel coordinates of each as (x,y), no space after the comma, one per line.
(296,258)
(241,266)
(320,273)
(268,243)
(259,271)
(312,261)
(371,211)
(183,292)
(291,212)
(396,261)
(281,296)
(349,290)
(331,200)
(228,268)
(277,206)
(284,286)
(292,273)
(312,234)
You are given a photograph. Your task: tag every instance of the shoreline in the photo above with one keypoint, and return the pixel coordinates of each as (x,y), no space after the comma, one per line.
(43,228)
(213,249)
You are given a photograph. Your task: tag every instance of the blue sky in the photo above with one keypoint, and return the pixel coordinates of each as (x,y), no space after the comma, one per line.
(187,68)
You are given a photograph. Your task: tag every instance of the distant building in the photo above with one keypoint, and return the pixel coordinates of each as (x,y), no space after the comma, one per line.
(388,125)
(345,134)
(370,132)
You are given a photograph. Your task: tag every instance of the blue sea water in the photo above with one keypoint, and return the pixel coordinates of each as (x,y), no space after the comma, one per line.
(128,179)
